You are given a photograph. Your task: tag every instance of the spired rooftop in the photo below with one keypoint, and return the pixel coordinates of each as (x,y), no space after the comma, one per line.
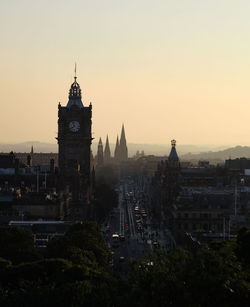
(75,96)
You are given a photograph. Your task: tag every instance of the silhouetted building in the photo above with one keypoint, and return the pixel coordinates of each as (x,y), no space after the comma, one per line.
(74,140)
(117,150)
(238,164)
(29,160)
(107,152)
(8,160)
(123,146)
(172,173)
(100,153)
(165,186)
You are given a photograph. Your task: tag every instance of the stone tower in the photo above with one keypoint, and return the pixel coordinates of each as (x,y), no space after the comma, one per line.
(107,152)
(123,146)
(74,141)
(172,173)
(100,153)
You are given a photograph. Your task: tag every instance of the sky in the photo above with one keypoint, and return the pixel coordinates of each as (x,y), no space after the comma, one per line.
(166,69)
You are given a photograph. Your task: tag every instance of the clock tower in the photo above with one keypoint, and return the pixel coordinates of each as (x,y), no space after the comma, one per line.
(74,141)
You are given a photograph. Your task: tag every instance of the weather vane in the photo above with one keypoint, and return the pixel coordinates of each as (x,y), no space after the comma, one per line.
(75,72)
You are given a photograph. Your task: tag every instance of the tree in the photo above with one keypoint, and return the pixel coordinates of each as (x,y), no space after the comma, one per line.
(210,277)
(17,244)
(82,244)
(243,247)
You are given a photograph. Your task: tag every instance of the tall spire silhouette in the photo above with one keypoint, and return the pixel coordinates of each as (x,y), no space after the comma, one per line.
(123,146)
(107,153)
(117,150)
(100,153)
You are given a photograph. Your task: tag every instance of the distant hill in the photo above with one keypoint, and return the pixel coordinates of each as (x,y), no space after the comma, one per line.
(185,152)
(233,152)
(26,147)
(149,149)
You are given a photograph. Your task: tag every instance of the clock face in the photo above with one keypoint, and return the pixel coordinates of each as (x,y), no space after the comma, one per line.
(74,126)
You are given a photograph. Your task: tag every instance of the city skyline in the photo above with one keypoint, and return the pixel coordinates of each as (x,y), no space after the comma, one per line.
(166,70)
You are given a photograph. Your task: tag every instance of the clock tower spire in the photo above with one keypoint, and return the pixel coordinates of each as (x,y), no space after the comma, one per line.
(74,142)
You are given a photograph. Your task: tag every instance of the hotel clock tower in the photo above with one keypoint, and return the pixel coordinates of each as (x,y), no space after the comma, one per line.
(74,141)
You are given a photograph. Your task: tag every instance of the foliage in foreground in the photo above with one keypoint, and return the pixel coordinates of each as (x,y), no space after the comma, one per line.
(74,272)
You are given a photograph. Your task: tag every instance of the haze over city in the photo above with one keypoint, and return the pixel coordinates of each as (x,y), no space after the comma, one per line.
(125,153)
(166,69)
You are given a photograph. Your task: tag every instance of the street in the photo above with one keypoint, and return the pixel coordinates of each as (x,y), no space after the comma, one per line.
(128,230)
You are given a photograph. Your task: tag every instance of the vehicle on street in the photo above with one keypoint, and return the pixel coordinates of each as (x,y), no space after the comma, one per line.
(122,259)
(115,240)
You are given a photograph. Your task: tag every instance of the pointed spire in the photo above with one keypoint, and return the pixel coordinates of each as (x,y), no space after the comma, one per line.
(75,73)
(100,153)
(32,150)
(117,150)
(123,138)
(123,146)
(107,152)
(173,158)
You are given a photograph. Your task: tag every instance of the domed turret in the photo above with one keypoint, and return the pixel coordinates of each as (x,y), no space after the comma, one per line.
(173,159)
(75,90)
(75,96)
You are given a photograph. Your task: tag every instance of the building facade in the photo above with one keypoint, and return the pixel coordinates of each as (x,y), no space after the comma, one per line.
(74,142)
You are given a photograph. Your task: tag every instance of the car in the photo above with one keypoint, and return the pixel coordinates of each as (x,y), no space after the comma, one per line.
(122,259)
(156,244)
(122,237)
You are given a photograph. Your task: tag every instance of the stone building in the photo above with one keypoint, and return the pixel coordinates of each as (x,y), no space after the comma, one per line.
(74,142)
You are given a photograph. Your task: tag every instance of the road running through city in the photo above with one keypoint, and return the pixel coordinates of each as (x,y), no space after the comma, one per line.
(128,230)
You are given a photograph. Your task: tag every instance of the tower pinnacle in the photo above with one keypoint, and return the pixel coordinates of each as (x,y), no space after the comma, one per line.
(75,77)
(100,153)
(123,146)
(117,150)
(107,153)
(173,158)
(75,95)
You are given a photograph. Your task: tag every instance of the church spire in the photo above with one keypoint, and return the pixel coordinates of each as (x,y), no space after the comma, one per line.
(100,153)
(123,146)
(107,153)
(117,150)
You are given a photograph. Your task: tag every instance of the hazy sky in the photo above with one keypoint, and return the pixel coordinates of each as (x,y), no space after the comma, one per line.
(167,69)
